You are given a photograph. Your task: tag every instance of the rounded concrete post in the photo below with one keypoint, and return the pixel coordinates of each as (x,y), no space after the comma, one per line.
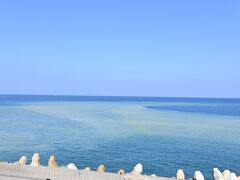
(180,174)
(101,169)
(35,160)
(23,160)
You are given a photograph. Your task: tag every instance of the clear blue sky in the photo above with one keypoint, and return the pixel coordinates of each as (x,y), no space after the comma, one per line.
(125,47)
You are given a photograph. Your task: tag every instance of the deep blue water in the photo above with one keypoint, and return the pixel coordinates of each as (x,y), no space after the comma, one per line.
(164,134)
(218,109)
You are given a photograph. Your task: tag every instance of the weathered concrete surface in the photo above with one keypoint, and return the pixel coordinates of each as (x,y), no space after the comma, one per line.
(37,173)
(143,177)
(27,172)
(13,178)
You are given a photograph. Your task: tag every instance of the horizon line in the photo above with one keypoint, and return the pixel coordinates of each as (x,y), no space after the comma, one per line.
(121,96)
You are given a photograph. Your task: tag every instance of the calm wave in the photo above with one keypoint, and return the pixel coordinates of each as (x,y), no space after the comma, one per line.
(164,134)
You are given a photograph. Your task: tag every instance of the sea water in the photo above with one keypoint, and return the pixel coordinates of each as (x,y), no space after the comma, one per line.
(164,134)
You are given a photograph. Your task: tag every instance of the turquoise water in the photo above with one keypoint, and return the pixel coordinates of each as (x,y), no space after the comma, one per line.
(164,134)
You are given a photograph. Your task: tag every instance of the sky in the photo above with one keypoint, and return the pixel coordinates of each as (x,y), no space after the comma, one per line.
(167,48)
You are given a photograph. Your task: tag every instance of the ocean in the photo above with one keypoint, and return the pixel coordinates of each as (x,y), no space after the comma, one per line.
(164,134)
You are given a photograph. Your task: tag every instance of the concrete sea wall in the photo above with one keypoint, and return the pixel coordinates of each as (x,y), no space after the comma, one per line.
(35,171)
(9,171)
